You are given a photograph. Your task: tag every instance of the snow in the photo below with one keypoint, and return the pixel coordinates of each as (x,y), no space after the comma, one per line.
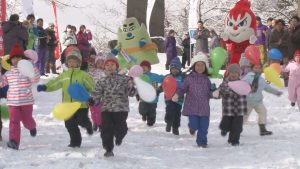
(152,148)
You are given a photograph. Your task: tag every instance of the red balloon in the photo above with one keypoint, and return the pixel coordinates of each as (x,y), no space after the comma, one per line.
(169,86)
(253,54)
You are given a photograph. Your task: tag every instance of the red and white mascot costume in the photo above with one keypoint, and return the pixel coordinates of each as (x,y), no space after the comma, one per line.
(239,31)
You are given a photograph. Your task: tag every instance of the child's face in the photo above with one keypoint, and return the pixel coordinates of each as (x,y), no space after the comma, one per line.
(297,59)
(256,69)
(72,63)
(100,64)
(175,71)
(199,67)
(233,76)
(145,69)
(15,60)
(110,68)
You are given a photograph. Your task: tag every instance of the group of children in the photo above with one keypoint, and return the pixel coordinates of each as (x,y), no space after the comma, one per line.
(109,102)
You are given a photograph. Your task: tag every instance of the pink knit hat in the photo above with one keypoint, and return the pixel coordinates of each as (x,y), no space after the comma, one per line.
(99,56)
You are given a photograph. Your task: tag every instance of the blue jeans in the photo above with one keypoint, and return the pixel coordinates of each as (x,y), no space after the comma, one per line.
(200,123)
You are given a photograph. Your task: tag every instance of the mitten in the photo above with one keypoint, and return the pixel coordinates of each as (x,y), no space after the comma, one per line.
(216,94)
(115,51)
(41,88)
(137,98)
(213,87)
(175,98)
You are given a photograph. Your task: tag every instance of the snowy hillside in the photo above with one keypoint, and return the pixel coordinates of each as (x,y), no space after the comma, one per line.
(152,148)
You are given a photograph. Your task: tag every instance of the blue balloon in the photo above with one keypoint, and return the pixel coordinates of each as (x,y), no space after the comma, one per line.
(78,92)
(275,54)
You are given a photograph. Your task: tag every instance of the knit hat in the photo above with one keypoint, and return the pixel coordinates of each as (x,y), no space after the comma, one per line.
(244,61)
(111,59)
(233,68)
(145,63)
(74,55)
(16,50)
(99,56)
(200,57)
(175,63)
(297,53)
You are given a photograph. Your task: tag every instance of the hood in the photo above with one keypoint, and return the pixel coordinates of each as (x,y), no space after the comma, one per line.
(8,25)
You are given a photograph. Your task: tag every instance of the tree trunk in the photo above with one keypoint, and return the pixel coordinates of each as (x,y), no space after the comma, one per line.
(156,25)
(137,9)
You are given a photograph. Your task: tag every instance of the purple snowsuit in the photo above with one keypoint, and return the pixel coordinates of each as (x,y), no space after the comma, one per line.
(170,48)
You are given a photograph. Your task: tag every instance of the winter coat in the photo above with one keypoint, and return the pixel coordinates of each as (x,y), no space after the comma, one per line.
(294,75)
(201,40)
(170,48)
(83,40)
(261,38)
(295,37)
(31,38)
(19,92)
(68,39)
(68,77)
(97,74)
(13,32)
(43,37)
(179,80)
(275,37)
(257,97)
(233,104)
(215,42)
(197,89)
(52,41)
(154,80)
(113,91)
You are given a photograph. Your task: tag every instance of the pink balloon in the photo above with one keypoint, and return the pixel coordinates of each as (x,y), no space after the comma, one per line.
(135,71)
(240,87)
(32,55)
(252,54)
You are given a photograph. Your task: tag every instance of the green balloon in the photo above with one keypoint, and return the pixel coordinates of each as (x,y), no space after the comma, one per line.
(217,58)
(4,112)
(145,78)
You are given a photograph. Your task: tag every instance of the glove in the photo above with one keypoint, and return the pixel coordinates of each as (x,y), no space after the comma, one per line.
(175,98)
(224,36)
(91,101)
(137,98)
(213,87)
(115,51)
(142,43)
(252,39)
(41,88)
(216,93)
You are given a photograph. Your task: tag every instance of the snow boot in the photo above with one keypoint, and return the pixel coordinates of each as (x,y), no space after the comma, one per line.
(12,144)
(0,132)
(223,133)
(293,104)
(118,142)
(168,127)
(175,131)
(192,132)
(263,130)
(108,154)
(33,132)
(89,130)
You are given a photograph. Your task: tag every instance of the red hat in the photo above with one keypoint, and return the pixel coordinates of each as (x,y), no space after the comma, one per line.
(111,59)
(297,53)
(145,63)
(16,50)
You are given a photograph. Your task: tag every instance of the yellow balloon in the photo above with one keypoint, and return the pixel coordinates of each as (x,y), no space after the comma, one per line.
(272,76)
(4,63)
(65,111)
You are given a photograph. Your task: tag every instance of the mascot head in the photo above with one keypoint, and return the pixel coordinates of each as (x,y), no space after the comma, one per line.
(130,28)
(240,22)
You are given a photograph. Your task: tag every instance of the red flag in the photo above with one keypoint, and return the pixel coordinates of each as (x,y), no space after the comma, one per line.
(58,48)
(2,17)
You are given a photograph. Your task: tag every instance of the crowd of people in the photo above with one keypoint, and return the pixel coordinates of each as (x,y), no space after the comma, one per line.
(109,88)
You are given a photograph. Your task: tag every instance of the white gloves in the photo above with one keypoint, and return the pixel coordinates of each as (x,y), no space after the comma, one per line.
(123,71)
(252,39)
(216,94)
(224,36)
(175,98)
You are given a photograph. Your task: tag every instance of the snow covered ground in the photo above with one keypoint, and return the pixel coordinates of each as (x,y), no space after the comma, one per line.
(152,148)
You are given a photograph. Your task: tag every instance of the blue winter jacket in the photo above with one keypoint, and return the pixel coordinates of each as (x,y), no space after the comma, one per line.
(179,79)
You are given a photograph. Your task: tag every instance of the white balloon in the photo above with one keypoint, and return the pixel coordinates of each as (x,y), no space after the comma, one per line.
(26,68)
(146,91)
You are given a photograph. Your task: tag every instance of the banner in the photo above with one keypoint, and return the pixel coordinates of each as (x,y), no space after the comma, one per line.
(149,11)
(58,47)
(3,18)
(27,6)
(193,15)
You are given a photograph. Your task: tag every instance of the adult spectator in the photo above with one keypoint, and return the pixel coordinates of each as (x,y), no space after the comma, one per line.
(261,32)
(32,31)
(42,47)
(83,37)
(270,24)
(14,32)
(170,47)
(52,43)
(186,56)
(295,34)
(215,40)
(201,35)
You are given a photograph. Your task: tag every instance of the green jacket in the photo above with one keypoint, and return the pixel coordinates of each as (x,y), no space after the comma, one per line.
(31,38)
(68,77)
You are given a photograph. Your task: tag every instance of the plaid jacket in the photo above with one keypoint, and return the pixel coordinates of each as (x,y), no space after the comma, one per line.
(232,103)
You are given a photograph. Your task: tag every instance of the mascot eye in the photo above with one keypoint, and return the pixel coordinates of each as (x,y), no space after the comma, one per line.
(229,23)
(132,28)
(124,29)
(243,23)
